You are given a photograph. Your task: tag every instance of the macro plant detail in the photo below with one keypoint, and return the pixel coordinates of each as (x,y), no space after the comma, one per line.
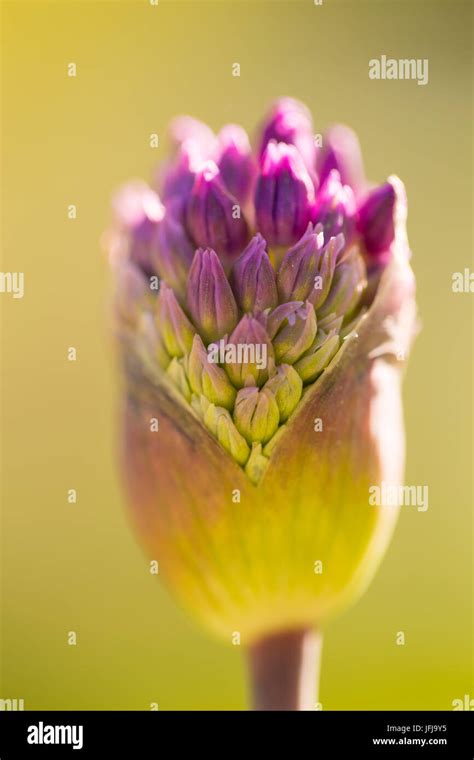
(264,311)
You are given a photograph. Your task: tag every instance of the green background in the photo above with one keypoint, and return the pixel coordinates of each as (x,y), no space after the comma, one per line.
(77,567)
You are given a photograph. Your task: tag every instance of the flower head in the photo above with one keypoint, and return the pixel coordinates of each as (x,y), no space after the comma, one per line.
(285,299)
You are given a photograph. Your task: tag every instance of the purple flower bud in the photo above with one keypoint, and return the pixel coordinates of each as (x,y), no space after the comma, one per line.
(253,278)
(214,217)
(335,207)
(210,300)
(138,210)
(289,121)
(341,151)
(235,161)
(172,252)
(250,353)
(306,271)
(184,128)
(178,177)
(376,221)
(284,197)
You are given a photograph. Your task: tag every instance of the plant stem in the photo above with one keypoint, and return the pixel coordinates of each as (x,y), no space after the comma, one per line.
(284,670)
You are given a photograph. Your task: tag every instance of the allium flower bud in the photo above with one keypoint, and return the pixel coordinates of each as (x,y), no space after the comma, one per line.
(172,252)
(286,385)
(256,414)
(238,384)
(207,378)
(213,216)
(341,151)
(257,463)
(332,323)
(174,326)
(194,144)
(219,422)
(292,328)
(289,121)
(272,444)
(348,284)
(177,375)
(335,207)
(284,196)
(318,356)
(178,177)
(184,129)
(253,278)
(376,221)
(235,161)
(307,270)
(251,353)
(138,210)
(210,300)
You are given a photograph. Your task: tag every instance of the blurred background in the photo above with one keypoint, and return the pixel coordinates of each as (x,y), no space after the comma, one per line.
(76,567)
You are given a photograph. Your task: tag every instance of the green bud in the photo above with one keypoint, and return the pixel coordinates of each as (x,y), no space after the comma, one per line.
(286,385)
(219,422)
(292,327)
(208,378)
(348,284)
(200,405)
(256,414)
(151,340)
(269,447)
(310,366)
(175,327)
(177,374)
(329,324)
(257,464)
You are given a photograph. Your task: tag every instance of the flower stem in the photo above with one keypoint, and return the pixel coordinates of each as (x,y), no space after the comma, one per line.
(284,670)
